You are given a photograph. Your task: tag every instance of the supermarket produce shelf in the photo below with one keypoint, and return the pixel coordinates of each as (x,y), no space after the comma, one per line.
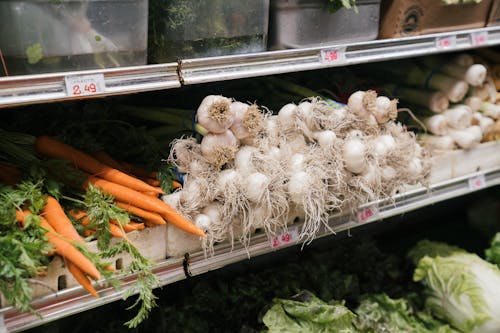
(76,300)
(29,89)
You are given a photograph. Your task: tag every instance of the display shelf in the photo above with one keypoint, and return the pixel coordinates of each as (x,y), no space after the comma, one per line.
(27,89)
(40,88)
(76,300)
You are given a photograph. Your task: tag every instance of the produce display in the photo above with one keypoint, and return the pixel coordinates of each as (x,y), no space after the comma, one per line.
(216,170)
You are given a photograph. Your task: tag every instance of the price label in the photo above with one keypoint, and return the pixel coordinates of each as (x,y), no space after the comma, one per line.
(446,42)
(83,85)
(479,38)
(477,182)
(368,213)
(330,56)
(287,238)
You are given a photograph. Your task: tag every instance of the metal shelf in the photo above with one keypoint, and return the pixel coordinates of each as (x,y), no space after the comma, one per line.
(28,89)
(76,300)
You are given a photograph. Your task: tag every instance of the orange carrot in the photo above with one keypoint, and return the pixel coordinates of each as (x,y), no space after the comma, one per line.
(85,220)
(150,194)
(67,250)
(55,216)
(147,215)
(133,226)
(50,147)
(129,196)
(88,232)
(106,159)
(81,278)
(152,182)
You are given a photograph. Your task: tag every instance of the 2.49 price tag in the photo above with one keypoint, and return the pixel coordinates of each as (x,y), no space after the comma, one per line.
(287,238)
(84,85)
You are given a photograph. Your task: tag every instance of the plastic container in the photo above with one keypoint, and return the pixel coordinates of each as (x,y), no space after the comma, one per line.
(494,17)
(303,23)
(417,17)
(193,28)
(39,36)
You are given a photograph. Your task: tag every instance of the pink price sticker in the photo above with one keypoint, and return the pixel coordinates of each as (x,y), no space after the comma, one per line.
(446,42)
(84,85)
(477,182)
(289,237)
(329,56)
(479,38)
(367,213)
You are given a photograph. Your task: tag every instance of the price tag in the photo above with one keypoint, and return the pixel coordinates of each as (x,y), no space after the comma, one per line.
(446,42)
(477,182)
(287,238)
(368,213)
(83,85)
(330,56)
(479,38)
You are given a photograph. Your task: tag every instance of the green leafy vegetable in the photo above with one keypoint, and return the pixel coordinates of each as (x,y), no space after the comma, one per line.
(305,313)
(460,287)
(380,313)
(493,252)
(23,251)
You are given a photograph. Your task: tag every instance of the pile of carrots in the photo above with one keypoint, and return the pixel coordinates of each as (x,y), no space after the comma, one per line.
(134,190)
(61,234)
(131,193)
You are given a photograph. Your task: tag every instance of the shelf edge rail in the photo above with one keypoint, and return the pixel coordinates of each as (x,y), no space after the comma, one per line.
(51,87)
(203,70)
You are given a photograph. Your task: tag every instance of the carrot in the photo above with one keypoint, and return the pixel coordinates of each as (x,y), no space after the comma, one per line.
(129,196)
(150,194)
(147,215)
(88,232)
(152,182)
(50,147)
(106,159)
(149,224)
(67,250)
(85,220)
(81,278)
(176,184)
(55,216)
(133,226)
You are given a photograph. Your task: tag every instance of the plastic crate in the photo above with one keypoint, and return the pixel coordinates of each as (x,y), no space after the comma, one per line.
(303,23)
(193,28)
(150,242)
(40,36)
(416,17)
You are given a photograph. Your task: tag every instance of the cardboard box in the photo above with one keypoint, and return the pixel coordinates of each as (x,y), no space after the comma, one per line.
(494,18)
(402,18)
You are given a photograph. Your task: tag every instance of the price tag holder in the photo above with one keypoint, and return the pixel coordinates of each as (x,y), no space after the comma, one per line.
(446,42)
(477,182)
(479,38)
(289,237)
(84,85)
(368,213)
(332,56)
